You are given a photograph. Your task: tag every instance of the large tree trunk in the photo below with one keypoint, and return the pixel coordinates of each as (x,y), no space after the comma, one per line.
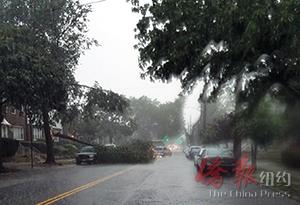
(49,142)
(253,154)
(237,147)
(1,118)
(63,136)
(1,166)
(110,138)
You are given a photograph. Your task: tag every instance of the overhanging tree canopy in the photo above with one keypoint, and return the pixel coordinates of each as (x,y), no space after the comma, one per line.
(219,40)
(56,33)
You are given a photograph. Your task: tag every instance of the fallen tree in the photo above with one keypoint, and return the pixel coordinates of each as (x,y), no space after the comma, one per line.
(134,153)
(59,135)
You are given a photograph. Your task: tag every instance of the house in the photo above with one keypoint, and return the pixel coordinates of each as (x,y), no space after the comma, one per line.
(14,126)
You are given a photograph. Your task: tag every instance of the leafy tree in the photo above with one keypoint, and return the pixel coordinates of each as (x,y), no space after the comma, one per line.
(221,129)
(155,120)
(56,33)
(256,43)
(263,127)
(11,50)
(105,113)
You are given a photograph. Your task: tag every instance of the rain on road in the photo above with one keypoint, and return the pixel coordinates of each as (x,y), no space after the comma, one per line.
(166,181)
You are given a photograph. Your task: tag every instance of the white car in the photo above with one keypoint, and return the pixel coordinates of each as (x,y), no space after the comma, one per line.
(110,145)
(197,157)
(194,150)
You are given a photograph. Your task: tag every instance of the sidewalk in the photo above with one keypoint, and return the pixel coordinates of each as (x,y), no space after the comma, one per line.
(26,166)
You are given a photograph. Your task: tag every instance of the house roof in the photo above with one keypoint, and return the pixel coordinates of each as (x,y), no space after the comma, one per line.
(5,122)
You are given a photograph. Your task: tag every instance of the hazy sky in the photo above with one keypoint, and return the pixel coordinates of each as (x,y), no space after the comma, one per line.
(114,64)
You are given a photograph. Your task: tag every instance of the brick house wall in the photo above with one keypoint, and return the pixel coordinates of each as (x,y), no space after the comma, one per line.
(17,120)
(17,129)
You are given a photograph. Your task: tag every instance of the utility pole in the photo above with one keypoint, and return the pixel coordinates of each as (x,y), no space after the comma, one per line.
(204,115)
(202,123)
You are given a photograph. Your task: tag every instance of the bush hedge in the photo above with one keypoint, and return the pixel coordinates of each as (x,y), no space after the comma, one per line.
(8,147)
(137,152)
(291,157)
(66,150)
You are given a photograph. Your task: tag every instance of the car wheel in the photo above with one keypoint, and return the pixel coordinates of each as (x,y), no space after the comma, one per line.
(78,162)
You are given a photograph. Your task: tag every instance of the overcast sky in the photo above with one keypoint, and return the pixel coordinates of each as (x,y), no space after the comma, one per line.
(114,64)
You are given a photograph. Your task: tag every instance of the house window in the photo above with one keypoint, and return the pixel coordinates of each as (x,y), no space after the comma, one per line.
(18,133)
(4,131)
(37,134)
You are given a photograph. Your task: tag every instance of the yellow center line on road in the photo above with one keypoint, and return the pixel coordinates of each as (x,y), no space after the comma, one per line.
(83,187)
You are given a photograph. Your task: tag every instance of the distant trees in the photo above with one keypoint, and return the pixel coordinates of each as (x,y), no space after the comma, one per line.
(266,123)
(96,113)
(155,120)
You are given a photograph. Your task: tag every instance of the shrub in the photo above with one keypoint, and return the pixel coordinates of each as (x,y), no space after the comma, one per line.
(138,152)
(291,157)
(8,147)
(68,150)
(40,146)
(71,149)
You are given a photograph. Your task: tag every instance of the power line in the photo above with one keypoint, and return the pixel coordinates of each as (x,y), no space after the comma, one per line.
(94,2)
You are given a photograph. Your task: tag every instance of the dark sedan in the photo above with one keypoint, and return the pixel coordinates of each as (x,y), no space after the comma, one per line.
(212,155)
(87,154)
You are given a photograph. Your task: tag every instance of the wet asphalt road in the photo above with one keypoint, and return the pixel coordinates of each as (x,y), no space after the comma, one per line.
(166,181)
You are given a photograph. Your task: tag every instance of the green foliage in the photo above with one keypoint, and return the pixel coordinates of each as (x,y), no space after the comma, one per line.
(254,42)
(104,113)
(137,152)
(66,150)
(98,99)
(264,126)
(220,130)
(8,147)
(44,55)
(52,41)
(291,156)
(266,123)
(155,120)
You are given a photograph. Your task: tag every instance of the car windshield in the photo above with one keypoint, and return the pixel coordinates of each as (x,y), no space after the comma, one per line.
(87,149)
(217,152)
(159,148)
(150,102)
(213,152)
(226,153)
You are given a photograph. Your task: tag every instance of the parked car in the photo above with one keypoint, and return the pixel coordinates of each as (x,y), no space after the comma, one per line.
(110,145)
(186,150)
(159,151)
(211,154)
(194,150)
(168,152)
(86,154)
(162,151)
(197,157)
